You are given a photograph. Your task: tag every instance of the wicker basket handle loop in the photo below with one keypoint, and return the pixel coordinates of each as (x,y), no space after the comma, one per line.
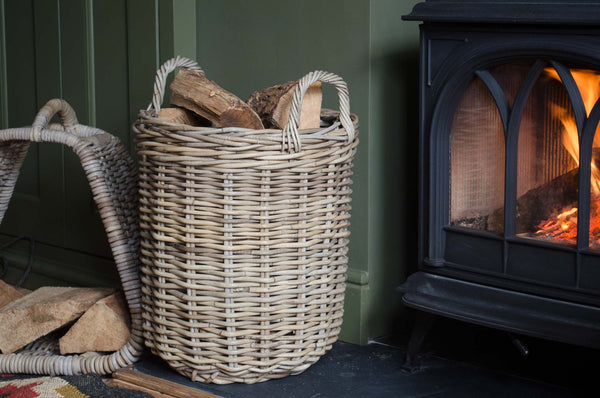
(291,139)
(52,107)
(161,79)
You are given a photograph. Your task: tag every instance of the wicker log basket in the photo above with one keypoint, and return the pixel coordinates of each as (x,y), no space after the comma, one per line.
(112,176)
(243,237)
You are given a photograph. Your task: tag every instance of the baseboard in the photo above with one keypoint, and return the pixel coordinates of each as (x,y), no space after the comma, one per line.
(354,328)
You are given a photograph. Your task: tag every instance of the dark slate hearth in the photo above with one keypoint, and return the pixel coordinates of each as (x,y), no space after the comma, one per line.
(467,361)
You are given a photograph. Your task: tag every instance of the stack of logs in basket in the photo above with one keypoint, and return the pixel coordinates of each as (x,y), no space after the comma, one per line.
(198,101)
(84,319)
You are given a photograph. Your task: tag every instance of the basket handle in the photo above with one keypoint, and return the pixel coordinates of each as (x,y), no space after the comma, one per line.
(161,78)
(291,139)
(47,112)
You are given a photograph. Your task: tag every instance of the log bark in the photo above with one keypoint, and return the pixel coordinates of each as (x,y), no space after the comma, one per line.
(273,105)
(193,91)
(8,294)
(43,311)
(103,327)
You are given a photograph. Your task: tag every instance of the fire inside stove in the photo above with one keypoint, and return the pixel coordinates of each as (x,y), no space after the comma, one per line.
(547,157)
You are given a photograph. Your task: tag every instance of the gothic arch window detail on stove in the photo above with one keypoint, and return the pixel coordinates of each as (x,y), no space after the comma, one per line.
(476,160)
(477,148)
(514,145)
(547,159)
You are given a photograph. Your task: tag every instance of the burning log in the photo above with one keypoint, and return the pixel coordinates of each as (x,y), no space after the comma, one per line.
(539,204)
(548,209)
(562,227)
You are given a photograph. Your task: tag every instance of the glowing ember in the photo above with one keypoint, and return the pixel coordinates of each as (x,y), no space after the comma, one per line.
(563,227)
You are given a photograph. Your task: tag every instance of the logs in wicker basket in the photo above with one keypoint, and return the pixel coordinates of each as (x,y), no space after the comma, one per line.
(244,237)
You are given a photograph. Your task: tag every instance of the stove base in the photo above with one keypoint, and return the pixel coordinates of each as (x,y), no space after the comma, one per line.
(503,309)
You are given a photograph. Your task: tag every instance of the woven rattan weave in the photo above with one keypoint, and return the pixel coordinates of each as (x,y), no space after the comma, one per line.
(244,238)
(112,176)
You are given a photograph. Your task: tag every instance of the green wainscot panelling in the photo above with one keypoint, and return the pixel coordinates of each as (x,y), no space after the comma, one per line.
(66,49)
(37,203)
(54,266)
(110,68)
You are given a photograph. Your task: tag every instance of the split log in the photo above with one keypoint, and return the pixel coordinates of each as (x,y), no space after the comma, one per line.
(103,327)
(160,385)
(193,91)
(8,293)
(179,116)
(23,291)
(43,311)
(131,386)
(273,105)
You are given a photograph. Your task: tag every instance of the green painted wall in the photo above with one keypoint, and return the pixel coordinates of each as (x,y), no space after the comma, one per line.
(66,48)
(248,45)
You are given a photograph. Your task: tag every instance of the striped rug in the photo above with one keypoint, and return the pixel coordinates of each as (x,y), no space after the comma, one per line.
(91,385)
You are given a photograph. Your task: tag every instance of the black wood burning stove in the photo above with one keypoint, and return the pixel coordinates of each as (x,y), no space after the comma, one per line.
(510,167)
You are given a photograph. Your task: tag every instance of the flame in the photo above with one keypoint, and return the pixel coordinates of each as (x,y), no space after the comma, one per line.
(564,226)
(588,83)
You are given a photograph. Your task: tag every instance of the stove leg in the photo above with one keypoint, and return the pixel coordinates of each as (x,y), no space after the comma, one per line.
(423,323)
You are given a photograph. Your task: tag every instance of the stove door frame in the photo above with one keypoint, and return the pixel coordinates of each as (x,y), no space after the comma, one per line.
(451,56)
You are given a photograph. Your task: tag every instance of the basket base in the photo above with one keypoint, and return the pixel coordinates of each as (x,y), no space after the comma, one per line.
(223,374)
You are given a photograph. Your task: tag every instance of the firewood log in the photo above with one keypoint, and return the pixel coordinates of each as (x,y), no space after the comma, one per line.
(273,105)
(180,116)
(543,202)
(8,294)
(193,91)
(103,327)
(539,203)
(43,311)
(158,385)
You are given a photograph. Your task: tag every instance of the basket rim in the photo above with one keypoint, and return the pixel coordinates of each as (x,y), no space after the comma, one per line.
(145,118)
